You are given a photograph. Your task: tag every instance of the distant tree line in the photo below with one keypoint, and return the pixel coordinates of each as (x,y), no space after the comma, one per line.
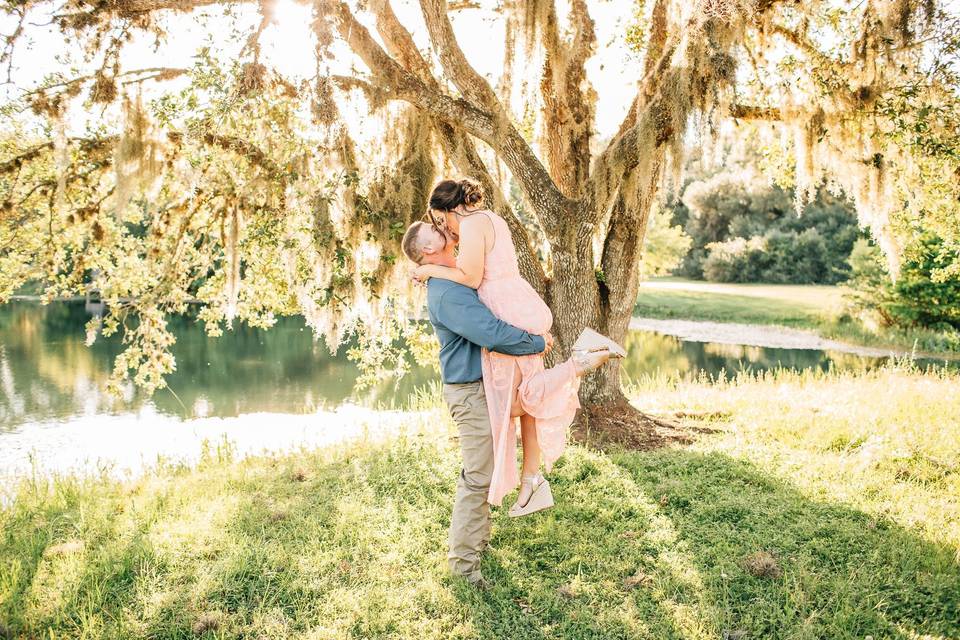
(741,226)
(744,228)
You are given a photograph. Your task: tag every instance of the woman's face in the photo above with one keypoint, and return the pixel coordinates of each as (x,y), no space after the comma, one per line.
(453,224)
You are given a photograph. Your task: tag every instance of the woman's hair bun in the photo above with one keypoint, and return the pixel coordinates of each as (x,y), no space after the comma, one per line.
(471,193)
(450,194)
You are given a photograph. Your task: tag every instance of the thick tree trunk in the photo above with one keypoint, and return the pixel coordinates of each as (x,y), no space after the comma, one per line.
(578,299)
(574,299)
(574,307)
(580,296)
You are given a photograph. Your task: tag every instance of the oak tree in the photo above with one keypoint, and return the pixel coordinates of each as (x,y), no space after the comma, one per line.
(251,196)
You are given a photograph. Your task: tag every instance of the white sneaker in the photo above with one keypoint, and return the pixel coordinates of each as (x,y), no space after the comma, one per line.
(586,361)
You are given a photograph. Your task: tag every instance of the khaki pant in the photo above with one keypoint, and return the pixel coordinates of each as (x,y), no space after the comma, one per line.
(470,522)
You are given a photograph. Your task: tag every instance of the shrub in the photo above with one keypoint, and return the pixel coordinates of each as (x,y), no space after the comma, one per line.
(732,205)
(736,260)
(797,258)
(920,297)
(783,257)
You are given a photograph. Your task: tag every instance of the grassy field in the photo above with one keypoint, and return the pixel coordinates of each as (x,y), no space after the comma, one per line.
(815,507)
(818,308)
(788,305)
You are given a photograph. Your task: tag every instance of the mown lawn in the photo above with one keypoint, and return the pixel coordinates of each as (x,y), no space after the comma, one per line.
(820,506)
(818,308)
(788,305)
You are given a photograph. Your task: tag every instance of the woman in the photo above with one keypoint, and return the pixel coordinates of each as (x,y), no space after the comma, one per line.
(545,400)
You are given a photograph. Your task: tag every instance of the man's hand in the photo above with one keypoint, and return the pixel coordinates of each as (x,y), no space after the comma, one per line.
(548,341)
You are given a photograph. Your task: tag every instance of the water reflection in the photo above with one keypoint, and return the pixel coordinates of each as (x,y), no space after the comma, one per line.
(48,372)
(650,353)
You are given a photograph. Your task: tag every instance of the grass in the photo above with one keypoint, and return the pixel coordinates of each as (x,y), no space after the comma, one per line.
(818,308)
(818,506)
(788,305)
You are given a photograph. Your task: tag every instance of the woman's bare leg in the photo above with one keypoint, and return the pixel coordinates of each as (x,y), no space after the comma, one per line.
(528,440)
(531,456)
(531,448)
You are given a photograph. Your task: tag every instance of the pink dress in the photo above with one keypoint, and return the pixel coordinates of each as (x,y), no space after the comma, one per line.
(549,395)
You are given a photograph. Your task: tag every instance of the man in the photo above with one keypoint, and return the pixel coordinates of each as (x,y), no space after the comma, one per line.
(464,326)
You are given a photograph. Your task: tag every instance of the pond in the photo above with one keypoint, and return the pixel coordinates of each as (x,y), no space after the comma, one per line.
(47,373)
(259,390)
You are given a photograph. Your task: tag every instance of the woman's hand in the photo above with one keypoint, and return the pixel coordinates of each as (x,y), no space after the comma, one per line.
(548,343)
(421,273)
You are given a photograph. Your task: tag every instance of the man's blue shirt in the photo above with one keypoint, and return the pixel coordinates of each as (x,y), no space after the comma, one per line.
(464,325)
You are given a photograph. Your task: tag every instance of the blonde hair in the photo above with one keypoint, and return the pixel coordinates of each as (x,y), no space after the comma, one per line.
(411,242)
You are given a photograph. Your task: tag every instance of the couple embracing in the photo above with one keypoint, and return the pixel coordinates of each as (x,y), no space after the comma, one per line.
(494,330)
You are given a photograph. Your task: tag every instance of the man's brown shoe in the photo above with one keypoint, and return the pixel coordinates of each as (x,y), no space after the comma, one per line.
(480,584)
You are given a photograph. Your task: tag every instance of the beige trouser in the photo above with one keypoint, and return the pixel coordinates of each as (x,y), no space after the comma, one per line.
(470,522)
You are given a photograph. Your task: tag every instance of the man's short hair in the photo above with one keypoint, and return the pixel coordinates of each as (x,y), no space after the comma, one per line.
(411,242)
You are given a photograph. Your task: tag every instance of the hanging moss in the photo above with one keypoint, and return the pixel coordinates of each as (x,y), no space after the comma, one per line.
(138,157)
(253,77)
(104,89)
(232,259)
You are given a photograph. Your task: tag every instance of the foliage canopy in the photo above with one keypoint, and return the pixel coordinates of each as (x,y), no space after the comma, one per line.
(233,187)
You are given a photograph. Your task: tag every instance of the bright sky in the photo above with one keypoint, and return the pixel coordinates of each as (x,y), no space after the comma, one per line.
(288,46)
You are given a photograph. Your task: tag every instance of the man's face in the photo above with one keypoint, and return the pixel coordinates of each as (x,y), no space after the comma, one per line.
(433,244)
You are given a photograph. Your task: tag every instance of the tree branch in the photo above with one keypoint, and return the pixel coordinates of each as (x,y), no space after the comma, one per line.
(157,73)
(459,146)
(545,197)
(800,41)
(398,83)
(495,131)
(241,147)
(461,5)
(619,264)
(470,83)
(347,83)
(400,43)
(86,144)
(130,8)
(585,36)
(754,112)
(569,110)
(10,41)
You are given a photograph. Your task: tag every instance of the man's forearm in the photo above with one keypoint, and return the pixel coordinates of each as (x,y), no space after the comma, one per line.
(527,345)
(465,315)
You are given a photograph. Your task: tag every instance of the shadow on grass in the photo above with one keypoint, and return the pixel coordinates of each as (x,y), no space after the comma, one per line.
(641,545)
(839,573)
(68,546)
